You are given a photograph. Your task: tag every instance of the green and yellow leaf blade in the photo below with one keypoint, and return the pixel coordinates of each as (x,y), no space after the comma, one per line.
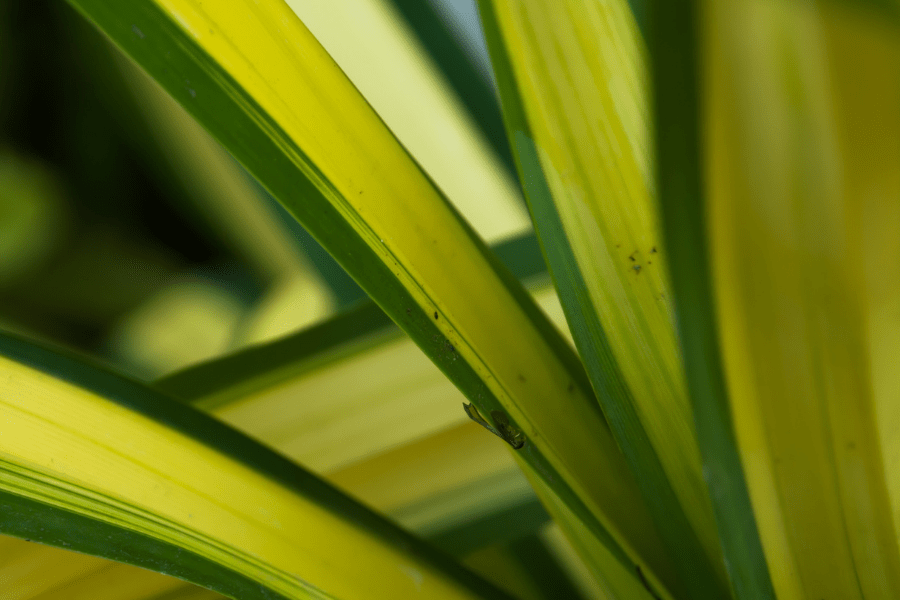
(40,572)
(373,415)
(573,89)
(256,78)
(803,182)
(335,394)
(379,421)
(387,61)
(675,51)
(104,466)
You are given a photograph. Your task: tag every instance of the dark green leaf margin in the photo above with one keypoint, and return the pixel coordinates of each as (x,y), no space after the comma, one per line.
(264,364)
(673,27)
(29,519)
(696,575)
(145,33)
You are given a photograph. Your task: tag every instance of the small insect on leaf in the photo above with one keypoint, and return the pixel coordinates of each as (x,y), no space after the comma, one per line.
(504,430)
(476,416)
(511,434)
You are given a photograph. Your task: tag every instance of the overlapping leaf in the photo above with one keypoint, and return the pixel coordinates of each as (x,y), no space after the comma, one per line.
(803,187)
(572,79)
(256,78)
(93,462)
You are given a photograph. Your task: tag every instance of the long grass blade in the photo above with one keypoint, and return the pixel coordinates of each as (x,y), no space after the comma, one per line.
(675,82)
(802,131)
(253,74)
(572,84)
(93,462)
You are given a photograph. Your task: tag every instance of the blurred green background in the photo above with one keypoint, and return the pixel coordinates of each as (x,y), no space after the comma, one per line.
(126,233)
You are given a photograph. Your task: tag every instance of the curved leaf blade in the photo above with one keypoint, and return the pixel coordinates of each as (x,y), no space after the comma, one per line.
(571,81)
(253,74)
(676,90)
(803,187)
(98,464)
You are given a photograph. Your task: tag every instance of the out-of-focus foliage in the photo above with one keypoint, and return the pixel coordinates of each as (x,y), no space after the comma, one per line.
(96,221)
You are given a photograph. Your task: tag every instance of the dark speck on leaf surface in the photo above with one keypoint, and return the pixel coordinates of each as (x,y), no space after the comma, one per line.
(435,315)
(637,268)
(653,250)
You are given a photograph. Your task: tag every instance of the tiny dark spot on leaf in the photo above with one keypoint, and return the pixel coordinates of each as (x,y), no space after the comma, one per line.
(637,268)
(521,377)
(649,262)
(435,315)
(408,311)
(851,445)
(653,250)
(631,256)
